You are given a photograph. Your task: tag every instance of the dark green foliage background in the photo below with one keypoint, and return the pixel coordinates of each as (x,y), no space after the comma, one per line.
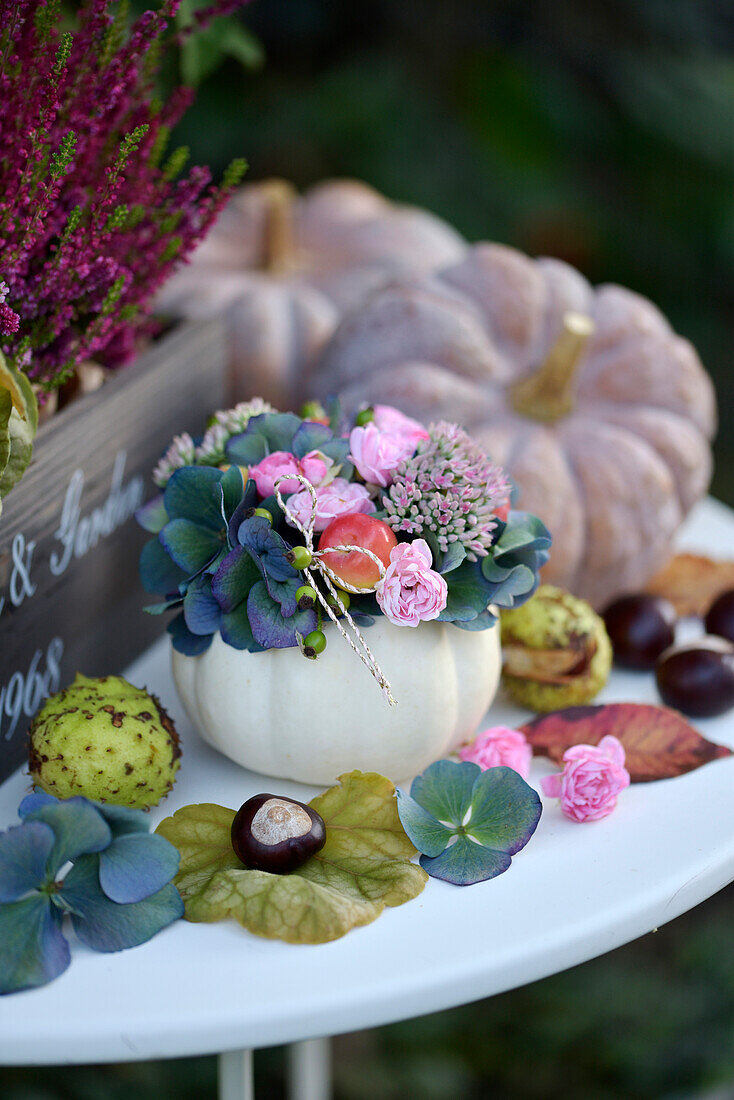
(601,131)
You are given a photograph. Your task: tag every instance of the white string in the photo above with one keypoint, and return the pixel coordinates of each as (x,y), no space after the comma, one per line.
(330,578)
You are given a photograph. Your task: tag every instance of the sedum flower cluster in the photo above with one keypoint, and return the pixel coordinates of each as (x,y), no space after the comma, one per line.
(212,449)
(93,214)
(450,489)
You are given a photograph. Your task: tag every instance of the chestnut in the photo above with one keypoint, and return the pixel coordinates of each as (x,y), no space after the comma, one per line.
(272,833)
(640,627)
(720,616)
(698,677)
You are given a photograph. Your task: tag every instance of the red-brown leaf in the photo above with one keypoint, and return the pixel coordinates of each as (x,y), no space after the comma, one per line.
(658,742)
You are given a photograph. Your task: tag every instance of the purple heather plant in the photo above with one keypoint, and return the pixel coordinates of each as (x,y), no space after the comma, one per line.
(93,216)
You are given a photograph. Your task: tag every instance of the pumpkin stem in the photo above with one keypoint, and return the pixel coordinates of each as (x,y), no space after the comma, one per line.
(547,394)
(278,245)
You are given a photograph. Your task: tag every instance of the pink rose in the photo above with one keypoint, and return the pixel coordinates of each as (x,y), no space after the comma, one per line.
(377,454)
(273,466)
(315,467)
(499,746)
(394,422)
(339,498)
(592,778)
(411,592)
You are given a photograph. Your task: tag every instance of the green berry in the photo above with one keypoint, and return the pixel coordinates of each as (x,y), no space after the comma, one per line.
(343,599)
(313,410)
(299,557)
(314,643)
(364,417)
(265,514)
(306,597)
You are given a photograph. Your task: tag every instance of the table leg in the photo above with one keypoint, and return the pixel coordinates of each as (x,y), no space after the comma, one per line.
(235,1075)
(309,1070)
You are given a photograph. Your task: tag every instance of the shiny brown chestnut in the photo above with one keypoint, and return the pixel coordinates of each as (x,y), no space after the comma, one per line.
(272,833)
(720,616)
(698,677)
(640,627)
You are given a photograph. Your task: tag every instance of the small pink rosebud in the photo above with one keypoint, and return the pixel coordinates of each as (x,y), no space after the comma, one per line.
(315,467)
(339,498)
(411,592)
(392,421)
(378,454)
(592,777)
(500,746)
(269,469)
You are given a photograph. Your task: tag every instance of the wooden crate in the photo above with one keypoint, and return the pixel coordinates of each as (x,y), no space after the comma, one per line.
(70,597)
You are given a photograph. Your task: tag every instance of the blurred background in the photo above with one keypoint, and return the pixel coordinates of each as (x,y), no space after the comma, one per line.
(600,132)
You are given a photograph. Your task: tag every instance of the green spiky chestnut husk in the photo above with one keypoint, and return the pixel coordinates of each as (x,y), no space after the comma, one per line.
(556,651)
(106,740)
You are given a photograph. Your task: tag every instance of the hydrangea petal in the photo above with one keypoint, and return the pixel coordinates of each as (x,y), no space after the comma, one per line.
(158,573)
(246,449)
(468,595)
(184,641)
(232,491)
(428,834)
(191,545)
(78,828)
(277,428)
(32,948)
(24,856)
(136,866)
(236,630)
(193,493)
(445,789)
(104,925)
(34,801)
(234,578)
(122,820)
(242,512)
(269,628)
(201,611)
(153,516)
(310,436)
(465,863)
(267,547)
(505,810)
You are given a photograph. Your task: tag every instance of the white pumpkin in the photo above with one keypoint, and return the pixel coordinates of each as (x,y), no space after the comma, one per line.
(280,714)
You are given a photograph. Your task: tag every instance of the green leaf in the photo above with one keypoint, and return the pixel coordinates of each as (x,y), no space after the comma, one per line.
(20,437)
(18,425)
(363,867)
(21,393)
(6,409)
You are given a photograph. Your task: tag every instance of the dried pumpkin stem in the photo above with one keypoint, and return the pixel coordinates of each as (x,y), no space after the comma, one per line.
(278,244)
(548,393)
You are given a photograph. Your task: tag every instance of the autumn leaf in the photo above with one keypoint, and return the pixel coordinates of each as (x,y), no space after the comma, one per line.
(363,867)
(659,743)
(692,582)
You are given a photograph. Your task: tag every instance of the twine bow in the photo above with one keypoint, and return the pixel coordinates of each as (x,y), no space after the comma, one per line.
(330,578)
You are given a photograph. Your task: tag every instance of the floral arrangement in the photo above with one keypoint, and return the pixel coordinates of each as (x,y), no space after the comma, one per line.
(92,215)
(272,522)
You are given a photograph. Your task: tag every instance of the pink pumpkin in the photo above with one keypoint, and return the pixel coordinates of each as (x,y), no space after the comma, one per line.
(601,414)
(284,268)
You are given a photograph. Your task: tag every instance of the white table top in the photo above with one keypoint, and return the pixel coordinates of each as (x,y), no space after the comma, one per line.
(574,893)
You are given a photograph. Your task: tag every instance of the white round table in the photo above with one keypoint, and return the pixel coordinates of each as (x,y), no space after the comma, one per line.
(575,892)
